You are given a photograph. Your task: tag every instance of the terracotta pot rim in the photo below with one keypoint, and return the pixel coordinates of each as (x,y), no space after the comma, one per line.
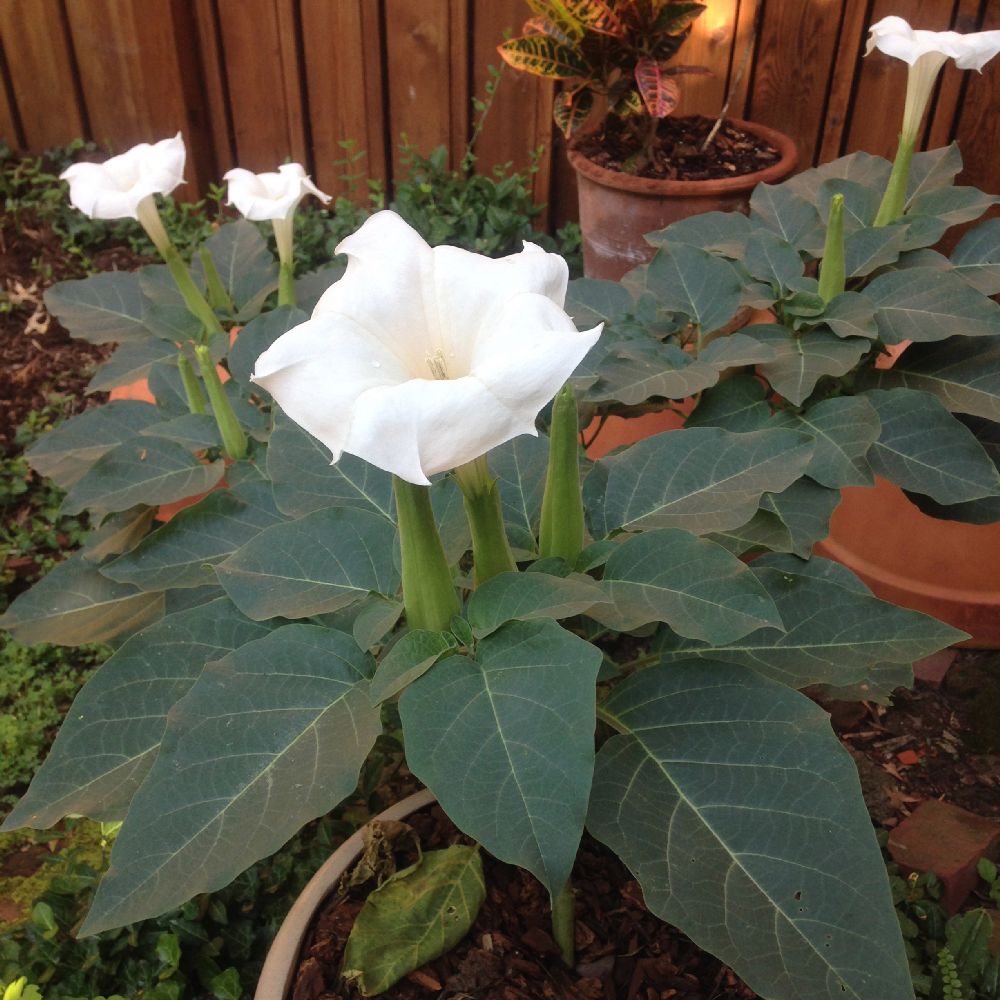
(279,966)
(661,188)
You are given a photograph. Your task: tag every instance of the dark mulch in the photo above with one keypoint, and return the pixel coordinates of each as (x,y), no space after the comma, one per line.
(37,355)
(676,154)
(623,951)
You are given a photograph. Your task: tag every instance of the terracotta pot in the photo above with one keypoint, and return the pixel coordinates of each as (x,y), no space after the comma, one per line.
(617,210)
(276,977)
(616,432)
(943,568)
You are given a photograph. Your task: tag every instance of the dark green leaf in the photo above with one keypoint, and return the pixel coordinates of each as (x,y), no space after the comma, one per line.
(258,335)
(131,362)
(590,301)
(778,208)
(310,287)
(977,257)
(102,308)
(851,314)
(804,508)
(193,430)
(738,404)
(414,654)
(717,232)
(248,271)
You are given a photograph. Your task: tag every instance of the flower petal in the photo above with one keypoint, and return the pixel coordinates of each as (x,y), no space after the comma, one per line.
(317,371)
(272,195)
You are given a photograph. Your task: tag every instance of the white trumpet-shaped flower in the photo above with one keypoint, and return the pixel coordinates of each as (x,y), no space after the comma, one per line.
(926,52)
(273,195)
(123,186)
(420,360)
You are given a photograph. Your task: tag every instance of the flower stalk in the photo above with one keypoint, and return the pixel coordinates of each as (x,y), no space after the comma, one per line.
(832,275)
(491,552)
(192,388)
(234,440)
(283,237)
(563,919)
(428,591)
(561,532)
(218,297)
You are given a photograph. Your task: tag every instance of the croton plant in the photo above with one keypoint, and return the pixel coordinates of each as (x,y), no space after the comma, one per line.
(461,578)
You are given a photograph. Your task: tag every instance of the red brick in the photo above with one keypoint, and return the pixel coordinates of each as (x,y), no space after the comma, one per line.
(941,838)
(932,669)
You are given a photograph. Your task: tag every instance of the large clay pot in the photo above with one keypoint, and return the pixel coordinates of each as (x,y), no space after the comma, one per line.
(944,568)
(617,210)
(276,976)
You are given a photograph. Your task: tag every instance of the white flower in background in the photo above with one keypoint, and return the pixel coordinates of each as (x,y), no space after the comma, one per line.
(421,360)
(926,52)
(274,195)
(124,186)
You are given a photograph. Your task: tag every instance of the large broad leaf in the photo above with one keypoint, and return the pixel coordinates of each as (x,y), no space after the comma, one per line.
(196,431)
(519,467)
(144,470)
(131,362)
(506,742)
(928,303)
(692,584)
(771,259)
(844,429)
(248,271)
(258,335)
(866,250)
(118,533)
(738,404)
(523,596)
(805,509)
(741,816)
(414,916)
(684,279)
(319,563)
(861,202)
(110,738)
(932,170)
(183,552)
(99,309)
(862,168)
(778,208)
(801,361)
(952,205)
(164,311)
(74,604)
(304,480)
(275,733)
(637,370)
(590,301)
(923,448)
(963,372)
(977,257)
(835,631)
(851,314)
(66,452)
(414,654)
(726,233)
(701,479)
(310,287)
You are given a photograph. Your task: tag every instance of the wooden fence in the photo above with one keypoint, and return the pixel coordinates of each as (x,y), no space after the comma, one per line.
(252,82)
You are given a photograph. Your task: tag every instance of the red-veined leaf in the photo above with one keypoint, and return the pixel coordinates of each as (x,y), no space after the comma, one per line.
(673,18)
(629,104)
(543,26)
(571,109)
(594,15)
(555,13)
(659,93)
(543,56)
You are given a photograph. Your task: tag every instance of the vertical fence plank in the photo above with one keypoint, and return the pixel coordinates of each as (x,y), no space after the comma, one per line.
(794,61)
(134,79)
(10,131)
(747,24)
(947,107)
(262,81)
(41,72)
(345,93)
(214,99)
(853,31)
(421,76)
(709,45)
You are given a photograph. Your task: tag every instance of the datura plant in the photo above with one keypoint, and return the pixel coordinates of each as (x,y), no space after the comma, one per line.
(619,50)
(562,644)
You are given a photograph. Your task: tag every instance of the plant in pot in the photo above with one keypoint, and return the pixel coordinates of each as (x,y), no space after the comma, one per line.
(634,173)
(558,645)
(881,347)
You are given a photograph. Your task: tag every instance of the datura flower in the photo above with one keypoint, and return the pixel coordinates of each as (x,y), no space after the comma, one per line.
(123,187)
(926,52)
(420,360)
(274,195)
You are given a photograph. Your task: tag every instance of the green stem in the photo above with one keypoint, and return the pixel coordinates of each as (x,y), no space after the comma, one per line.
(561,531)
(428,591)
(193,298)
(192,388)
(286,284)
(218,297)
(894,198)
(234,441)
(563,919)
(832,275)
(491,552)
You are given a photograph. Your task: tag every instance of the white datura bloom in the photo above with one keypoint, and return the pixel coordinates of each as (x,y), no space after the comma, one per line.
(273,195)
(420,360)
(926,52)
(121,187)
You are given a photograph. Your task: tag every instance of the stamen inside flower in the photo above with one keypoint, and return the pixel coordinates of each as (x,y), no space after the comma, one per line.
(437,365)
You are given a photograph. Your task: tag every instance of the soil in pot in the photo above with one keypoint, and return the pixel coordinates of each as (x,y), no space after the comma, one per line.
(623,951)
(676,153)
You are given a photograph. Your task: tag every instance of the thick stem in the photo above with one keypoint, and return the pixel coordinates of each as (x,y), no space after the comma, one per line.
(284,238)
(491,552)
(428,591)
(234,441)
(894,199)
(286,285)
(218,297)
(832,276)
(563,920)
(193,298)
(192,388)
(561,531)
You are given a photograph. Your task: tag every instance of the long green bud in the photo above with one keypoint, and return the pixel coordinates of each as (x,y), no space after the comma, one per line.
(218,297)
(491,552)
(894,198)
(192,388)
(428,590)
(561,531)
(234,441)
(832,276)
